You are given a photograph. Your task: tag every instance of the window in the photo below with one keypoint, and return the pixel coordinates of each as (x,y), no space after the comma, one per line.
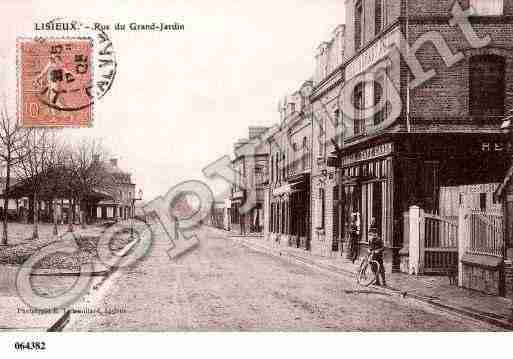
(304,157)
(379,11)
(283,167)
(487,87)
(359,105)
(283,217)
(358,25)
(276,168)
(379,94)
(322,199)
(336,217)
(336,118)
(487,7)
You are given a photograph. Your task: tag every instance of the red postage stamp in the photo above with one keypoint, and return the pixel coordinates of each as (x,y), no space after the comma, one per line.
(54,82)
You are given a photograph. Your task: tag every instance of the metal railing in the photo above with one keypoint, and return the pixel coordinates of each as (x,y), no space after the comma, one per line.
(486,234)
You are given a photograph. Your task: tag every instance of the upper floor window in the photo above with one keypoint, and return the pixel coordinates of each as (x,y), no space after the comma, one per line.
(379,16)
(359,105)
(304,158)
(358,25)
(336,118)
(487,7)
(276,164)
(283,166)
(272,168)
(487,87)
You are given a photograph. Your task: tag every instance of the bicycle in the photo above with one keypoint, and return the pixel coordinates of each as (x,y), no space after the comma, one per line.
(368,271)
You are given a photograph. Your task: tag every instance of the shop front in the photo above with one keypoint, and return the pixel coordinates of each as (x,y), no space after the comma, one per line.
(290,212)
(367,194)
(380,182)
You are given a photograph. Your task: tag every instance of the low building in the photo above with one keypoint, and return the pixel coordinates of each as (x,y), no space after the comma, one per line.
(114,201)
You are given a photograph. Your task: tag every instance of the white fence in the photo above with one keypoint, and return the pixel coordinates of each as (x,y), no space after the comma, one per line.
(437,244)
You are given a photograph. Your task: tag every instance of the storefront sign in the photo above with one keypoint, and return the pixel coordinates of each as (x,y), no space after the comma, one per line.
(373,54)
(496,146)
(368,154)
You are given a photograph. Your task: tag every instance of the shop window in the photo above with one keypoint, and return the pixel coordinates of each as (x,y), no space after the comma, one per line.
(487,7)
(322,200)
(336,218)
(487,86)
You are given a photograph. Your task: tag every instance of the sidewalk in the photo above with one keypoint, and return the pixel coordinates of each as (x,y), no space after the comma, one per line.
(18,316)
(434,290)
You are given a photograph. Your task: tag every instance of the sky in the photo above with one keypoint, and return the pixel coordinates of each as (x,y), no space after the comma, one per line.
(181,99)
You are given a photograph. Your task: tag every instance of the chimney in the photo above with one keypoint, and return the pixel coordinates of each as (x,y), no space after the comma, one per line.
(114,162)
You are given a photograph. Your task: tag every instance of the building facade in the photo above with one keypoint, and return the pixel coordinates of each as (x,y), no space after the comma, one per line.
(327,129)
(404,109)
(290,162)
(247,193)
(118,203)
(426,128)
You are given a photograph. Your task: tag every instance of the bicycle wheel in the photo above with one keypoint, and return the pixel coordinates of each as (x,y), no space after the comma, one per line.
(366,275)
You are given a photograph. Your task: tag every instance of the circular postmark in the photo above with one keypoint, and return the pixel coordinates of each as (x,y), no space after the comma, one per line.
(74,71)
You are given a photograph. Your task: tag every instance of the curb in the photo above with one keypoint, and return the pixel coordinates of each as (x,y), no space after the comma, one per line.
(502,323)
(53,273)
(61,323)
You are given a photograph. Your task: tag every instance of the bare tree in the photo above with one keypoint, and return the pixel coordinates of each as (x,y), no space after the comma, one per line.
(90,172)
(35,166)
(53,182)
(12,150)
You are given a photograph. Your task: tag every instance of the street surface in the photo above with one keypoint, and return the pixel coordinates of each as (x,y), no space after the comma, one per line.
(224,286)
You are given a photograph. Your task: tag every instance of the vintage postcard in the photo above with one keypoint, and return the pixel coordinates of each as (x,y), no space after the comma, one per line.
(236,166)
